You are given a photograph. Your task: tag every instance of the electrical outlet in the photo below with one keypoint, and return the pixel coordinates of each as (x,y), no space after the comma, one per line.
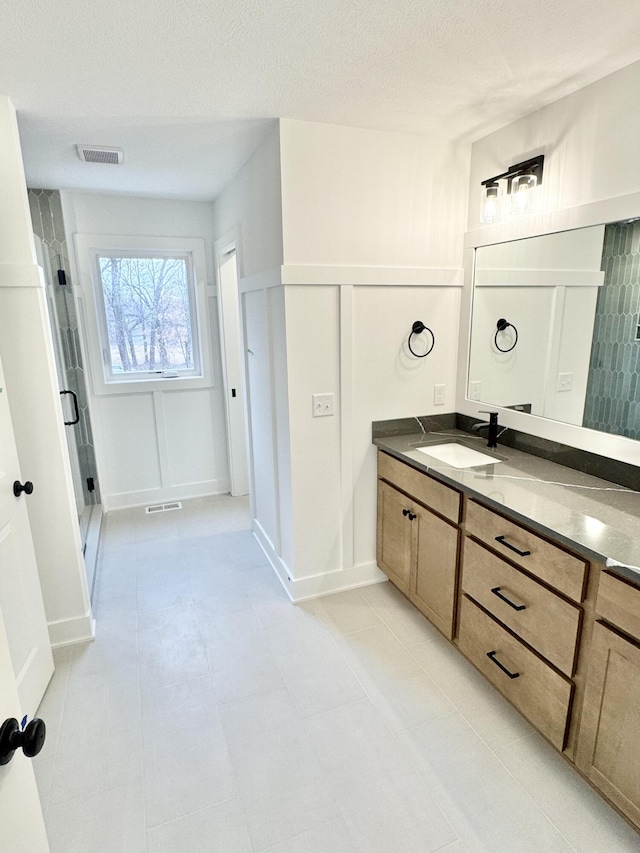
(475,390)
(323,405)
(438,395)
(565,382)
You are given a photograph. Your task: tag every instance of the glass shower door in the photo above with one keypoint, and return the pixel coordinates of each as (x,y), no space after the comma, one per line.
(72,394)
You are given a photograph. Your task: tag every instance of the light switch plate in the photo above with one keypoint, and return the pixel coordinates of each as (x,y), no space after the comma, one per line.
(565,382)
(475,390)
(438,395)
(323,405)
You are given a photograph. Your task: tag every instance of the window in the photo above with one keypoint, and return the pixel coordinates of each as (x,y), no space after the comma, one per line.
(148,312)
(147,315)
(145,311)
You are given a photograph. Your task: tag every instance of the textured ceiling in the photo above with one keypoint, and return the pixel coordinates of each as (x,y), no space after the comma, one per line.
(162,79)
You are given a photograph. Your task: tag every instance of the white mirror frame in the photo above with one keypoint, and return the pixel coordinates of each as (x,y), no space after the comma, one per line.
(594,213)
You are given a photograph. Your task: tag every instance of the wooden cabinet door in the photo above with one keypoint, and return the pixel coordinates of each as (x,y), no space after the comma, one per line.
(433,581)
(609,746)
(394,535)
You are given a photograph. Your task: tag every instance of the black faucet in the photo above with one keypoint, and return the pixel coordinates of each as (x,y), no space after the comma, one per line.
(491,425)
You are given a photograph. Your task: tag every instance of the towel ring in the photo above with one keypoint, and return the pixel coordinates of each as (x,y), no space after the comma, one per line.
(417,329)
(502,325)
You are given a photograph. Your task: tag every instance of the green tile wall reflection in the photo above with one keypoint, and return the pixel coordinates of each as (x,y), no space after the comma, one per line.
(613,391)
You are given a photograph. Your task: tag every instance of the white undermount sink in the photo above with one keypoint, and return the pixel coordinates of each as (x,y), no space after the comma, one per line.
(458,455)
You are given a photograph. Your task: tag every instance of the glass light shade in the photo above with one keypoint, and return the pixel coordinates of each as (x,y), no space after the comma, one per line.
(490,203)
(522,193)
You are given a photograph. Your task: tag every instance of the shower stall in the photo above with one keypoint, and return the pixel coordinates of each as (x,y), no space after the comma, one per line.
(51,250)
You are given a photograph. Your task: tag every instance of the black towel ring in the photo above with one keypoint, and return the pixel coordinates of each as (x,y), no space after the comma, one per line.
(417,329)
(502,325)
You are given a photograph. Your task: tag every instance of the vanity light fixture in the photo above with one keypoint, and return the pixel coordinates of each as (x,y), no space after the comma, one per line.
(520,182)
(490,209)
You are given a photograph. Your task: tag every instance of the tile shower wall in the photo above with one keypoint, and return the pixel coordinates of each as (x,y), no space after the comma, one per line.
(48,224)
(613,388)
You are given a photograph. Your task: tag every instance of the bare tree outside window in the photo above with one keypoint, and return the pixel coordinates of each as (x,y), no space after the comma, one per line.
(148,312)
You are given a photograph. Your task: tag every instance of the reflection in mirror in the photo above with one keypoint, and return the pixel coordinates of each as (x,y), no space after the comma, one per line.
(574,298)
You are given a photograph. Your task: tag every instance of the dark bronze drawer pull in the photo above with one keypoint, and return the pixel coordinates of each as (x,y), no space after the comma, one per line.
(496,591)
(502,541)
(492,657)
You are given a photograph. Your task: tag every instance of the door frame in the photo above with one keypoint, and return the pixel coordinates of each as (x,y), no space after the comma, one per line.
(232,363)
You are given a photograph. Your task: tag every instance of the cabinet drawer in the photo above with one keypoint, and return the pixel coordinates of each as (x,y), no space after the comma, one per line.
(422,487)
(531,685)
(539,616)
(619,603)
(561,570)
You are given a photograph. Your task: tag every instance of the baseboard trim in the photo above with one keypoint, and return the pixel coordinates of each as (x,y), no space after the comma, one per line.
(68,632)
(340,580)
(130,500)
(316,586)
(277,564)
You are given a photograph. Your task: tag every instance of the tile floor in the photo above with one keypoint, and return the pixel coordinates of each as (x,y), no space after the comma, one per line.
(210,715)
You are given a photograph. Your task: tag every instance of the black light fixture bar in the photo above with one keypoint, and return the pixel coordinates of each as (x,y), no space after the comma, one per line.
(533,166)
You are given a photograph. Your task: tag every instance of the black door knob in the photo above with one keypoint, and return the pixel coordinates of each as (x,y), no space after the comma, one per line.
(19,488)
(31,740)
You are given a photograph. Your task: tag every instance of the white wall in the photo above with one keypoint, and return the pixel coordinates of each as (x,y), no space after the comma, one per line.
(347,236)
(372,228)
(249,213)
(353,197)
(589,139)
(252,204)
(142,450)
(591,175)
(27,355)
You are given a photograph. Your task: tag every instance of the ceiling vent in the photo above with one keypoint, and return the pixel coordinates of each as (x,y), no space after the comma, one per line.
(100,154)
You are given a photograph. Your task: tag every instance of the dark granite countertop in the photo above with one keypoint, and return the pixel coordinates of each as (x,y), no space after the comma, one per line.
(591,516)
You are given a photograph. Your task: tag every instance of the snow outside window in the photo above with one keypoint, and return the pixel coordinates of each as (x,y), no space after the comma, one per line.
(147,315)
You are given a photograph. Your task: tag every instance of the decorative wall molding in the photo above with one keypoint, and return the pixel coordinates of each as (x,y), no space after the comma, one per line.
(21,275)
(538,278)
(129,500)
(368,276)
(260,280)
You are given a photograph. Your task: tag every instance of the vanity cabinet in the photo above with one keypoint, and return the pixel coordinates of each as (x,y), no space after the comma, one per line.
(539,616)
(417,539)
(556,635)
(608,745)
(553,565)
(519,622)
(540,693)
(395,535)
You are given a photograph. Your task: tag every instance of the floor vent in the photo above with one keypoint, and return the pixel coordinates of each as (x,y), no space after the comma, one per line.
(162,507)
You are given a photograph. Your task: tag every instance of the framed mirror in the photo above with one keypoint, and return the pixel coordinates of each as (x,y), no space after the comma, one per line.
(570,351)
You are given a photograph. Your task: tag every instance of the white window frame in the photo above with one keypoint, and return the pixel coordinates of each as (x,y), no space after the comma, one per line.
(91,247)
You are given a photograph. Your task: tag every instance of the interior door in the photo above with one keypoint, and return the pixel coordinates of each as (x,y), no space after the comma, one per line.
(26,663)
(21,822)
(229,310)
(20,593)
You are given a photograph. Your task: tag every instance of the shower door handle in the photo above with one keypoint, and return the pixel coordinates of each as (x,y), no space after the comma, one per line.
(76,411)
